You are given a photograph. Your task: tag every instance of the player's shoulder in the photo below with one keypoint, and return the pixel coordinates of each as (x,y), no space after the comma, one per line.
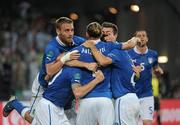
(79,48)
(152,52)
(51,43)
(78,40)
(131,50)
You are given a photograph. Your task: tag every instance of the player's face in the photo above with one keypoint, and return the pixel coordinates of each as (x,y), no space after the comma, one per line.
(65,33)
(143,37)
(109,34)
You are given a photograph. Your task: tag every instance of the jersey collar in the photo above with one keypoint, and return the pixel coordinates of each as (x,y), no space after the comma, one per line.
(59,41)
(138,52)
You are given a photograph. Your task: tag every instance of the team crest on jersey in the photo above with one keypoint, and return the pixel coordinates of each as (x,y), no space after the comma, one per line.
(77,76)
(150,60)
(50,54)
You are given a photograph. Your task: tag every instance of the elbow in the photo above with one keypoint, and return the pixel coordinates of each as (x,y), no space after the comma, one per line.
(103,63)
(50,72)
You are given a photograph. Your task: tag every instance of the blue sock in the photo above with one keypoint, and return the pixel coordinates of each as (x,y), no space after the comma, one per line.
(18,106)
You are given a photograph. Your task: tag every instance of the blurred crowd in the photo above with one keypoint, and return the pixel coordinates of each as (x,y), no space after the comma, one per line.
(24,32)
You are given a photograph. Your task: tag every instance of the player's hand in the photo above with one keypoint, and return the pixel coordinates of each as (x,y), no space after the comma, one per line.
(70,56)
(74,55)
(88,43)
(60,56)
(158,71)
(92,66)
(137,70)
(134,41)
(99,76)
(110,37)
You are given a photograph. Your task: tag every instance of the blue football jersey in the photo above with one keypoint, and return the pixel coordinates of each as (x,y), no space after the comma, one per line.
(102,89)
(123,77)
(59,90)
(147,61)
(54,48)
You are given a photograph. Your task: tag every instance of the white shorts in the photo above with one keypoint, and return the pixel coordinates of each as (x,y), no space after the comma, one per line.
(147,108)
(37,91)
(127,110)
(95,110)
(47,113)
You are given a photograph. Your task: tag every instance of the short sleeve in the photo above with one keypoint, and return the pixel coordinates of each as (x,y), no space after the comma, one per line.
(155,59)
(51,54)
(113,56)
(76,75)
(115,45)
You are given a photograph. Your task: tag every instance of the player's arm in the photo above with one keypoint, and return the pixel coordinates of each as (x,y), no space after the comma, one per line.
(130,43)
(100,58)
(80,64)
(53,67)
(79,90)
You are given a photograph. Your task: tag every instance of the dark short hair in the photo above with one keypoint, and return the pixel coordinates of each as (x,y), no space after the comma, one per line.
(62,20)
(139,31)
(111,25)
(94,29)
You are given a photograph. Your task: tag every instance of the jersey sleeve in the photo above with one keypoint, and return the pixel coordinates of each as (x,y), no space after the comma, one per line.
(51,54)
(155,59)
(113,56)
(115,45)
(76,75)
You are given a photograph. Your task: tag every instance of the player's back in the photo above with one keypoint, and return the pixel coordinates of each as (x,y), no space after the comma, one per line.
(59,89)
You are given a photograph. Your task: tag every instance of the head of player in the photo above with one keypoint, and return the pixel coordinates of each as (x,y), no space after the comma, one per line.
(65,30)
(109,32)
(142,35)
(93,31)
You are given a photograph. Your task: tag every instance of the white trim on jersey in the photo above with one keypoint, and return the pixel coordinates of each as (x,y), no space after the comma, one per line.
(54,78)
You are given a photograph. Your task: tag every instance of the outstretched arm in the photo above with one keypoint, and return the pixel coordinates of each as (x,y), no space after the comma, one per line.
(130,43)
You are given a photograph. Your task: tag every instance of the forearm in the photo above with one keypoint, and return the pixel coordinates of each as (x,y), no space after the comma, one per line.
(100,58)
(76,63)
(83,90)
(53,68)
(130,43)
(127,45)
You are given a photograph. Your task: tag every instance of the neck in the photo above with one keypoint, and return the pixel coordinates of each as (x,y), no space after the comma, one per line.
(92,38)
(141,49)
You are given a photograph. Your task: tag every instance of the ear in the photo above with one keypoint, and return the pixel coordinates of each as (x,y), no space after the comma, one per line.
(147,39)
(57,31)
(116,35)
(87,35)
